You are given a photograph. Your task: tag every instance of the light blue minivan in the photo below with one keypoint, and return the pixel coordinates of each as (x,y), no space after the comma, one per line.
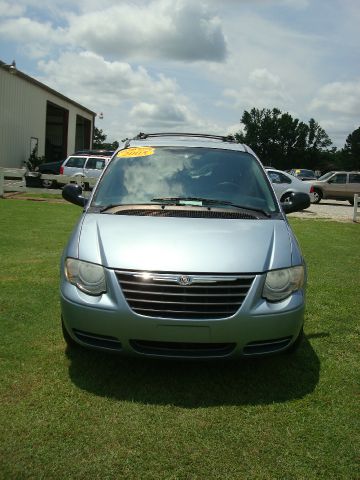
(184,251)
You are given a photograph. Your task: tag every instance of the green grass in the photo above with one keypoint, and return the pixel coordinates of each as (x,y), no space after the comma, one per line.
(47,196)
(86,415)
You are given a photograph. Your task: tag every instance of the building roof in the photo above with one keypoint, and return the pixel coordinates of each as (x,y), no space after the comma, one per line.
(32,80)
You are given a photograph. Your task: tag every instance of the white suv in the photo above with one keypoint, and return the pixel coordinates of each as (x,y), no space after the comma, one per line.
(84,165)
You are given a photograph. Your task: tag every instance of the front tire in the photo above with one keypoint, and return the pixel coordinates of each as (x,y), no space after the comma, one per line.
(286,198)
(47,183)
(317,195)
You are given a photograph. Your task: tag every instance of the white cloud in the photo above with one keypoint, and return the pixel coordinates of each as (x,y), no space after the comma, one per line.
(291,3)
(176,30)
(8,9)
(113,56)
(235,128)
(338,97)
(132,100)
(263,79)
(337,108)
(92,79)
(263,89)
(339,128)
(300,4)
(268,52)
(171,29)
(36,37)
(168,114)
(175,114)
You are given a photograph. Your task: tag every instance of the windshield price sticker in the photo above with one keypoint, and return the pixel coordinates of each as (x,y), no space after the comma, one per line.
(136,152)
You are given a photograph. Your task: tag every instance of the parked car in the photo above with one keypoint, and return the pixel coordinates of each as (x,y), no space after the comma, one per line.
(32,179)
(339,185)
(183,250)
(95,151)
(49,168)
(84,165)
(285,184)
(303,174)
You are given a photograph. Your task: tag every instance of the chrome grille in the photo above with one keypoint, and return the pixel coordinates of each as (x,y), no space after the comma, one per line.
(204,297)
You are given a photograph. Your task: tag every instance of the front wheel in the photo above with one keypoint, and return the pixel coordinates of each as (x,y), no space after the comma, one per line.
(286,198)
(317,196)
(47,183)
(351,202)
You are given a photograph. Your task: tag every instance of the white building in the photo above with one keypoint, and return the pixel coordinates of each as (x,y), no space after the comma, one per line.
(34,115)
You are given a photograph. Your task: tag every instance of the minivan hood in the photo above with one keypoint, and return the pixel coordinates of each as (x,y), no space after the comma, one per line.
(184,244)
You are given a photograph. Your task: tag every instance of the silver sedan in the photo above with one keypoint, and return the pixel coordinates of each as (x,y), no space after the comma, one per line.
(285,184)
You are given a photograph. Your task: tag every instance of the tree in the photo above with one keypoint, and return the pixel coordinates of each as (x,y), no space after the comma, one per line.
(283,141)
(34,160)
(99,141)
(351,151)
(318,139)
(99,138)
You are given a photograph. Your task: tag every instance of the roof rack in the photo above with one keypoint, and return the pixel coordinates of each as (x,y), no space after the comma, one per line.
(143,136)
(99,153)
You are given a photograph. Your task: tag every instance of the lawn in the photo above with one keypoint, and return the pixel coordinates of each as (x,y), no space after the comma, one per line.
(87,415)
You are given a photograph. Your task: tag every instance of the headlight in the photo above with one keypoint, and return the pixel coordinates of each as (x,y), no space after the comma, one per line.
(88,277)
(279,284)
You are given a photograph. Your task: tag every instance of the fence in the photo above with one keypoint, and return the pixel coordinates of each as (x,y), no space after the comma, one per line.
(13,180)
(356,206)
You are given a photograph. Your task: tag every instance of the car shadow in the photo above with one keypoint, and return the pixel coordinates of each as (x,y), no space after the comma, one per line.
(193,384)
(335,205)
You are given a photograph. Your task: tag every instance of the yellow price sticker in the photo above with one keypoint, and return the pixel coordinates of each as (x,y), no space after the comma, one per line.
(136,152)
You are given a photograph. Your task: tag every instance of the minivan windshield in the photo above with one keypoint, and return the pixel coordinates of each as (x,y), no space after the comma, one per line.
(146,175)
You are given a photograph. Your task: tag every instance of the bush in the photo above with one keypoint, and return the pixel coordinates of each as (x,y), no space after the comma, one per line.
(34,160)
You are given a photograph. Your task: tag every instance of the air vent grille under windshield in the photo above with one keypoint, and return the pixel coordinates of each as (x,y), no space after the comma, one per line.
(187,213)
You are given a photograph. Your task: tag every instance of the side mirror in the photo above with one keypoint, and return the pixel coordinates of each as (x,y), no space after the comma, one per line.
(73,194)
(296,202)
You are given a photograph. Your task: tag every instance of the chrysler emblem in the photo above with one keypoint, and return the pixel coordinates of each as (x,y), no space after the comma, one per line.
(184,280)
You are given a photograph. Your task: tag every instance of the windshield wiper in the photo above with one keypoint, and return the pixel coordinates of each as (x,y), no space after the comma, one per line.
(104,208)
(206,202)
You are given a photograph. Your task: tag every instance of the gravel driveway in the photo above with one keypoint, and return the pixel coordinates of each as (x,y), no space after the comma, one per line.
(330,209)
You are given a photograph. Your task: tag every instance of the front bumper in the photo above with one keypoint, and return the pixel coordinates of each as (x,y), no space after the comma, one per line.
(108,323)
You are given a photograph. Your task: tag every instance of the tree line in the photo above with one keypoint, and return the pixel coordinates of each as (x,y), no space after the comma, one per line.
(285,142)
(99,141)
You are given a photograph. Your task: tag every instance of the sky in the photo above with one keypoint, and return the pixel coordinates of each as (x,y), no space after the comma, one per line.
(192,65)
